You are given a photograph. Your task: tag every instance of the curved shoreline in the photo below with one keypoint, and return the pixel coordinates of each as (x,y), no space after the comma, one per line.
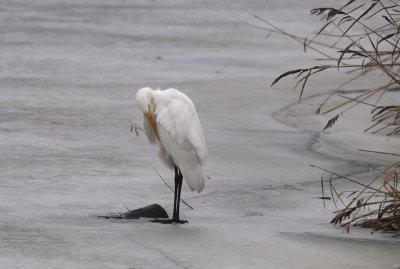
(316,136)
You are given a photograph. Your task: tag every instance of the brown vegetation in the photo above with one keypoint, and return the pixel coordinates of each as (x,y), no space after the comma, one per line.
(359,38)
(375,205)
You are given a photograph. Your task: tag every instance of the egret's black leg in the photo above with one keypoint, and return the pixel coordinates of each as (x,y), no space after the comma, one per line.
(177,198)
(179,188)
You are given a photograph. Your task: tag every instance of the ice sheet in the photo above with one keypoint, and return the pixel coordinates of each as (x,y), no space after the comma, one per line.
(69,73)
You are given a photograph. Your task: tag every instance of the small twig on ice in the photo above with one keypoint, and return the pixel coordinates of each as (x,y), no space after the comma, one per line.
(136,128)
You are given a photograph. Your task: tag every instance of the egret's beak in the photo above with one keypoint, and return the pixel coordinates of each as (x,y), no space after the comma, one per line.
(150,117)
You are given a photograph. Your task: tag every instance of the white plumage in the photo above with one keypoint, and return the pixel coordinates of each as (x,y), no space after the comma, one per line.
(172,124)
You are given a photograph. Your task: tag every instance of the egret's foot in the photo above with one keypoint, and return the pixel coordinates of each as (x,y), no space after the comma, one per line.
(169,221)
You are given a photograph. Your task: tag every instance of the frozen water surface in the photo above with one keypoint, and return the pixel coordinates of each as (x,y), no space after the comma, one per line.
(69,74)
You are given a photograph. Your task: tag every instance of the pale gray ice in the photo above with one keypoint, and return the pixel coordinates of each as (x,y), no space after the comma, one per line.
(69,71)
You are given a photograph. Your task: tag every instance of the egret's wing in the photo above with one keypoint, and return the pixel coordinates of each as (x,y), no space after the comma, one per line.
(184,156)
(180,134)
(195,136)
(180,120)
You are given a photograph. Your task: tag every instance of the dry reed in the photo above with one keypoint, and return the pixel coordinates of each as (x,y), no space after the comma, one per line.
(360,37)
(375,205)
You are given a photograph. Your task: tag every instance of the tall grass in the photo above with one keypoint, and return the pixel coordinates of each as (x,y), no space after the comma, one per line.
(374,205)
(359,38)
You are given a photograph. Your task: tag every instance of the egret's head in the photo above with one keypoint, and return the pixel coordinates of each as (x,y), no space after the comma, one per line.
(144,98)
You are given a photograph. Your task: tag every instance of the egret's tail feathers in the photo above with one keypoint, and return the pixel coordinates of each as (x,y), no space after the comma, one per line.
(195,177)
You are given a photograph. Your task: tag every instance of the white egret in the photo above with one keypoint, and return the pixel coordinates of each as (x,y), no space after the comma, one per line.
(172,125)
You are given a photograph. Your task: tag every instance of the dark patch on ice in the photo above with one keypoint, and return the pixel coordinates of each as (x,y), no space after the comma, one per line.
(281,187)
(150,211)
(253,214)
(387,243)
